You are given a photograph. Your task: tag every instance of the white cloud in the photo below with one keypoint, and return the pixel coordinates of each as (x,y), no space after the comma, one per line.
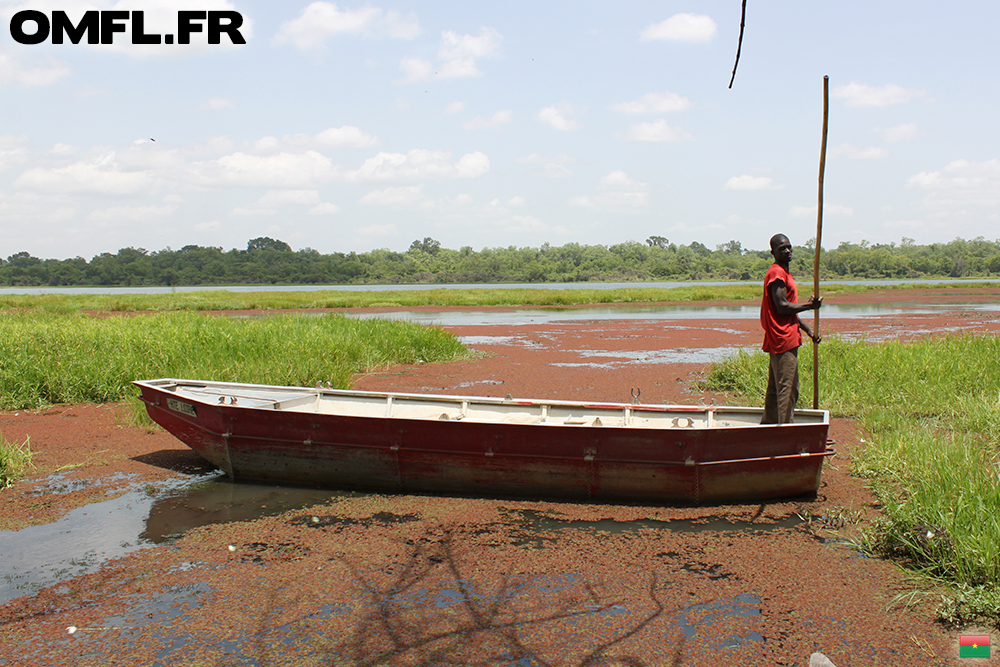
(285,170)
(207,226)
(268,203)
(457,55)
(320,21)
(412,197)
(60,149)
(472,165)
(101,177)
(538,158)
(516,201)
(277,197)
(654,103)
(904,132)
(828,209)
(853,153)
(13,150)
(347,135)
(323,208)
(495,122)
(458,201)
(266,144)
(32,209)
(251,210)
(529,224)
(454,107)
(862,95)
(416,69)
(395,196)
(558,116)
(419,164)
(120,215)
(684,27)
(553,166)
(961,183)
(619,192)
(525,223)
(377,230)
(15,70)
(623,200)
(218,103)
(906,224)
(619,179)
(747,182)
(696,230)
(657,131)
(210,146)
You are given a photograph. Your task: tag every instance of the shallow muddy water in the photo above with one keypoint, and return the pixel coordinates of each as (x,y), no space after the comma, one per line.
(529,316)
(145,514)
(148,514)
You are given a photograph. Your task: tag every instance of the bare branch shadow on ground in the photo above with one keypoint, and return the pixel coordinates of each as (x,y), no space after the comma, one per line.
(432,614)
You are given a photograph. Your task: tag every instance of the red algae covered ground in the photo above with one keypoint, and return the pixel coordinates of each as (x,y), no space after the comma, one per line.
(362,579)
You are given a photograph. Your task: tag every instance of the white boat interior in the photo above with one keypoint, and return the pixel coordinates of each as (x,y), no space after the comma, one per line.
(468,408)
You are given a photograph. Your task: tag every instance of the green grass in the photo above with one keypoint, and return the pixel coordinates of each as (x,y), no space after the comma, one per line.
(15,460)
(225,300)
(932,408)
(47,358)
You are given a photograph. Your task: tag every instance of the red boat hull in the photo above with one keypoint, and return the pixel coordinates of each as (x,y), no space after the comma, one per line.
(647,466)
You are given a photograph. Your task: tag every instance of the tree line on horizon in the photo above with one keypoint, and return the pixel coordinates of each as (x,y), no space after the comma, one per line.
(268,261)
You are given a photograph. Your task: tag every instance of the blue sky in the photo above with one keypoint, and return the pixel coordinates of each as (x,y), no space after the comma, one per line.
(355,126)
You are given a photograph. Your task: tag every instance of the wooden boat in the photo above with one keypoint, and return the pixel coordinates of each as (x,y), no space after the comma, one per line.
(415,443)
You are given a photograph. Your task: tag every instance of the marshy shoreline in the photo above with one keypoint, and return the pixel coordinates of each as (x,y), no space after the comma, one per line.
(465,567)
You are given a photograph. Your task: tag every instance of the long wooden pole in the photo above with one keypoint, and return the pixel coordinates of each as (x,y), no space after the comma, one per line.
(819,237)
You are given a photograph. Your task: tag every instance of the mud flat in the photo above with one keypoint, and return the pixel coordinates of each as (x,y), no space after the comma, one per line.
(131,540)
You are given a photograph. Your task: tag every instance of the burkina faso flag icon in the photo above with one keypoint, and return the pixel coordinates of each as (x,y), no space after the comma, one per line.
(974,646)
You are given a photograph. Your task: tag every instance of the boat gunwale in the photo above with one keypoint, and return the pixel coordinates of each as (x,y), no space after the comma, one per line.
(166,384)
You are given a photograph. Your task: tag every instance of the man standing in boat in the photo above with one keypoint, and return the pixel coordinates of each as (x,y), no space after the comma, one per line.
(779,316)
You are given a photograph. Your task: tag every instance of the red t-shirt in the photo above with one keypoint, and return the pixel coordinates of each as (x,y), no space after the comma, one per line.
(781,332)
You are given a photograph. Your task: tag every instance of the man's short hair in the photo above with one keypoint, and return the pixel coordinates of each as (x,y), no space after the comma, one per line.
(777,239)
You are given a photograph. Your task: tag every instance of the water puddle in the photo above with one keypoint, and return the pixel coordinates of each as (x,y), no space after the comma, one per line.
(78,543)
(489,340)
(675,356)
(218,500)
(711,614)
(146,514)
(474,383)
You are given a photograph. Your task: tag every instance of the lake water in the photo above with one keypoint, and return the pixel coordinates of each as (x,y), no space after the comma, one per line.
(425,286)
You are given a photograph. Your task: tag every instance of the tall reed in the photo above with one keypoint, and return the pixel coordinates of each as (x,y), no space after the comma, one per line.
(15,459)
(47,358)
(932,408)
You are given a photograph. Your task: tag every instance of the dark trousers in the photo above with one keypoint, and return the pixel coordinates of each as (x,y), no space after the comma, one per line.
(782,388)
